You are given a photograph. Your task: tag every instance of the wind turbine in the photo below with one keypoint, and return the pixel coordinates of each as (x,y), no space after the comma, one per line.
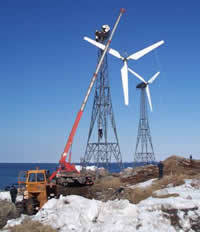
(144,151)
(124,69)
(144,85)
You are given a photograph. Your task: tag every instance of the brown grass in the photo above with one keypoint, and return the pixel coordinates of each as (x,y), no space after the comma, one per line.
(166,195)
(31,226)
(138,194)
(175,180)
(108,182)
(104,188)
(177,165)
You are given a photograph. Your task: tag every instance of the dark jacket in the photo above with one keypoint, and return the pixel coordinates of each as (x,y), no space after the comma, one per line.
(160,166)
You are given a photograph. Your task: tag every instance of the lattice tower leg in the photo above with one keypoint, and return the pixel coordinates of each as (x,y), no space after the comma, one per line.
(144,151)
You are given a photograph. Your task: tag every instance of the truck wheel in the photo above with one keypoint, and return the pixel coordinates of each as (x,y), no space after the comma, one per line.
(30,206)
(19,207)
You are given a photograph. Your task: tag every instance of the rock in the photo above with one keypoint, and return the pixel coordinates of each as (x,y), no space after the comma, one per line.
(7,211)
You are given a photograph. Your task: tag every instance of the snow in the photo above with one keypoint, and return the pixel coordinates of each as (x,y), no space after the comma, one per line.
(91,168)
(142,184)
(78,214)
(75,213)
(17,221)
(5,195)
(180,202)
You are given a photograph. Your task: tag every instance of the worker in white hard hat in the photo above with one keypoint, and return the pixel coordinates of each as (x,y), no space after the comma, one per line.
(102,35)
(105,28)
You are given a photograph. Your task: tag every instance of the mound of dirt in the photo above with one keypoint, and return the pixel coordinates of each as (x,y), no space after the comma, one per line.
(139,174)
(176,169)
(176,165)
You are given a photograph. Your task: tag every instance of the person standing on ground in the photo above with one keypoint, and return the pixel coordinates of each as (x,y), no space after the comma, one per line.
(13,193)
(160,169)
(191,162)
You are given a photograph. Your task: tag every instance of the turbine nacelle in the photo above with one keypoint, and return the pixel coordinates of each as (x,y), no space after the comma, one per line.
(145,84)
(141,85)
(124,69)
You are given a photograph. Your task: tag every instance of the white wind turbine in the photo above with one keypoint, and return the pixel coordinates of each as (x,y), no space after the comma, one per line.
(145,84)
(124,69)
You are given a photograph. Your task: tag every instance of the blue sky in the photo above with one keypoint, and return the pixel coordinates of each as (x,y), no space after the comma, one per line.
(46,67)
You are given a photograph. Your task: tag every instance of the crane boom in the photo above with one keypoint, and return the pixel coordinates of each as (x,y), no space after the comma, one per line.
(63,164)
(79,114)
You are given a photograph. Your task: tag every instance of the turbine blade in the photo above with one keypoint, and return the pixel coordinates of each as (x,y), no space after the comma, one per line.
(124,75)
(97,44)
(153,78)
(137,75)
(144,51)
(102,46)
(149,97)
(114,53)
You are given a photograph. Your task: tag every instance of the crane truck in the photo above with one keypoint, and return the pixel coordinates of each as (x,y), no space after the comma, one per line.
(39,187)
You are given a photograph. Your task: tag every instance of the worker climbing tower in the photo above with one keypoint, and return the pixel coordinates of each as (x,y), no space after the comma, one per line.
(144,148)
(102,144)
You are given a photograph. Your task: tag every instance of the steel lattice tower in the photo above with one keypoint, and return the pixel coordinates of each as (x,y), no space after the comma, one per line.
(102,150)
(144,148)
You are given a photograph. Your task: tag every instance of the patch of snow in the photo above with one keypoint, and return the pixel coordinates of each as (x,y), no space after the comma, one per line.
(142,184)
(19,197)
(161,192)
(91,168)
(78,214)
(17,221)
(5,195)
(75,213)
(180,202)
(128,169)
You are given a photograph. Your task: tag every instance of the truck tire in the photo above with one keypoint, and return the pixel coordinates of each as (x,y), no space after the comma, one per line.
(31,206)
(20,207)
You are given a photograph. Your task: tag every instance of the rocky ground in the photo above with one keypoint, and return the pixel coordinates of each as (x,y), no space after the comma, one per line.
(135,185)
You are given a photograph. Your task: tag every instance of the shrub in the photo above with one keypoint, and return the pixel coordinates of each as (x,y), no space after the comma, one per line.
(31,226)
(108,182)
(166,195)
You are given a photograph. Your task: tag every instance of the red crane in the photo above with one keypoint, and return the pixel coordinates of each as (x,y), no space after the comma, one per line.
(64,165)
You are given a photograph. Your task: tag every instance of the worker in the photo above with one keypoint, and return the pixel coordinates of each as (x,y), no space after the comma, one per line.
(100,133)
(48,174)
(160,169)
(13,193)
(102,35)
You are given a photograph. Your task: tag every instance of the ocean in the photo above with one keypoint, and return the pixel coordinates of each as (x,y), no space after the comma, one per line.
(9,172)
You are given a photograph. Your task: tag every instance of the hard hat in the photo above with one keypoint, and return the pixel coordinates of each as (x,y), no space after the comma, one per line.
(106,28)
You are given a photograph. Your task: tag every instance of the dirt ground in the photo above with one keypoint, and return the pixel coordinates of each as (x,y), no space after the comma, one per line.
(112,186)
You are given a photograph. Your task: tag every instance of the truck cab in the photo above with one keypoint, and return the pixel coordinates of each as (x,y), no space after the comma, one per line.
(37,189)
